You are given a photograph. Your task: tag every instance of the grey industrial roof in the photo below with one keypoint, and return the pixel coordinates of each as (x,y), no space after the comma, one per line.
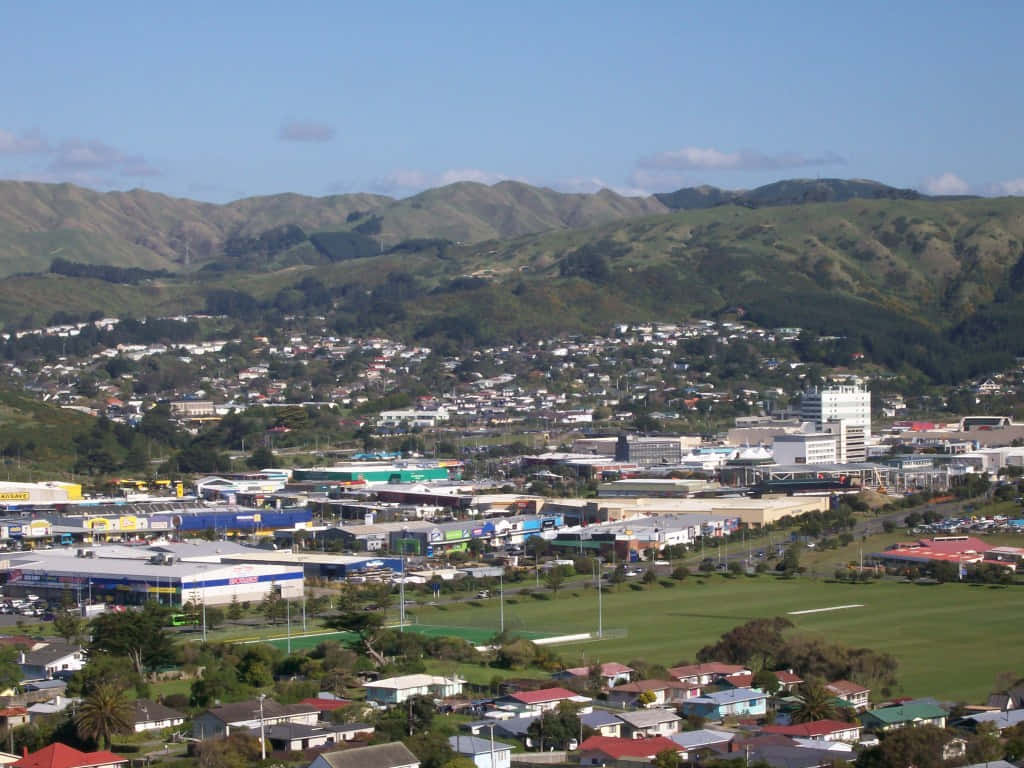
(471,745)
(388,755)
(644,718)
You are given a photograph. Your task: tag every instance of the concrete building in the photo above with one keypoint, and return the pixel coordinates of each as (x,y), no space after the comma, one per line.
(804,448)
(846,412)
(652,451)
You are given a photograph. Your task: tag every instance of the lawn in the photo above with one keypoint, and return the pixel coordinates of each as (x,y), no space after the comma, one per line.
(924,627)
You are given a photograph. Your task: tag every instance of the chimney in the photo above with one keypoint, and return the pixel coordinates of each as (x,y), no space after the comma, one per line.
(24,751)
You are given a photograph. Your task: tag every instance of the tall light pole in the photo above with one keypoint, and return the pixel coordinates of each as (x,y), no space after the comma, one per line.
(401,587)
(501,612)
(288,615)
(600,616)
(491,726)
(263,734)
(204,621)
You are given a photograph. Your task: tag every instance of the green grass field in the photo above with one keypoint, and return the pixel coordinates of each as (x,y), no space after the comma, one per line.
(951,640)
(476,635)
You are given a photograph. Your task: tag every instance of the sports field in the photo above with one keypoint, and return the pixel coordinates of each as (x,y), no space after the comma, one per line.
(476,635)
(951,639)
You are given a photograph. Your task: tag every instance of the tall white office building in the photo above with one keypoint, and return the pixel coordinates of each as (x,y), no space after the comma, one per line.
(844,412)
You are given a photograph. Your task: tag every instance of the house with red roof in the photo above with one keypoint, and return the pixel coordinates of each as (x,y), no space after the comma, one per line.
(706,674)
(600,750)
(857,696)
(59,755)
(668,692)
(788,681)
(540,701)
(818,730)
(612,674)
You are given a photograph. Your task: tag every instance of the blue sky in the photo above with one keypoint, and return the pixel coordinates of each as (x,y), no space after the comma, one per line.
(222,100)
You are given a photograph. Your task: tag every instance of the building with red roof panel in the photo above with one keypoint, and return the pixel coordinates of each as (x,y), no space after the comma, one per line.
(818,730)
(966,550)
(59,755)
(600,749)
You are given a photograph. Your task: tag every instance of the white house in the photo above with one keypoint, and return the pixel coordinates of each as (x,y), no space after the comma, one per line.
(154,716)
(395,690)
(483,752)
(246,715)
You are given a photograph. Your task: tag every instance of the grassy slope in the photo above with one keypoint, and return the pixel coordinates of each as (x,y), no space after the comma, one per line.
(924,627)
(50,428)
(145,229)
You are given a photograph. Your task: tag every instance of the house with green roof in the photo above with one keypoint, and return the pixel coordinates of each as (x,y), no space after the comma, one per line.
(908,713)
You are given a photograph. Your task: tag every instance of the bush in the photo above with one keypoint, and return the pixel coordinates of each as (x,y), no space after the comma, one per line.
(636,587)
(667,583)
(680,572)
(540,595)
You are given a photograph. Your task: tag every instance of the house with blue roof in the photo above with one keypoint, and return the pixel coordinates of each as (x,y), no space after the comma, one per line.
(736,702)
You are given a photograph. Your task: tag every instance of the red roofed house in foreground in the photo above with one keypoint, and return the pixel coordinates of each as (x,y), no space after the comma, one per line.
(818,730)
(598,750)
(59,755)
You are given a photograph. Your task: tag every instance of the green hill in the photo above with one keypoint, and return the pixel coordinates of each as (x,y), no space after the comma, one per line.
(39,222)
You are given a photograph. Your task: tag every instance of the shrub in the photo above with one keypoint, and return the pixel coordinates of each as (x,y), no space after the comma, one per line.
(667,583)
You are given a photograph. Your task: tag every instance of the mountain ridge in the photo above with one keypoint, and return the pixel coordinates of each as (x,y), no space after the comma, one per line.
(150,230)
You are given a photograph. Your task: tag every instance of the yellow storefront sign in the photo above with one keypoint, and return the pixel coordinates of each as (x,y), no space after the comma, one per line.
(14,496)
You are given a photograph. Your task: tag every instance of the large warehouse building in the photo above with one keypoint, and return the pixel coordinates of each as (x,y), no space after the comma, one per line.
(134,575)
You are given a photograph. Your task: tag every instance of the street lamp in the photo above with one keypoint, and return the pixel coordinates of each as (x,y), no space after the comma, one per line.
(501,610)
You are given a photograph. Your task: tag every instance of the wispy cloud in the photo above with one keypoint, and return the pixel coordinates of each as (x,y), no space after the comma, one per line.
(309,131)
(710,158)
(29,143)
(74,158)
(411,180)
(947,183)
(1011,187)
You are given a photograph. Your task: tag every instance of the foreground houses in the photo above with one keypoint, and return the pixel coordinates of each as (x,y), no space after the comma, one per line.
(734,702)
(247,715)
(392,755)
(483,752)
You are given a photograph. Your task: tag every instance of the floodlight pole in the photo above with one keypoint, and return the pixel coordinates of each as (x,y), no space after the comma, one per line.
(263,735)
(501,609)
(600,617)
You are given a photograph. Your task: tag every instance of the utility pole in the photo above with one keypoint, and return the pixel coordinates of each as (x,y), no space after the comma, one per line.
(501,609)
(600,616)
(288,614)
(263,735)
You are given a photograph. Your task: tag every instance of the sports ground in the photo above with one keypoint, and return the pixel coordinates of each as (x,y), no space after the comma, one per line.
(951,640)
(475,635)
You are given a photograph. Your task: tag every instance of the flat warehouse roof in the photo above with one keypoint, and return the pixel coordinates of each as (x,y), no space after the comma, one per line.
(89,567)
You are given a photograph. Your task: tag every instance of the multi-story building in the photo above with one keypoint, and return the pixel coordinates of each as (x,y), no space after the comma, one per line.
(842,411)
(805,448)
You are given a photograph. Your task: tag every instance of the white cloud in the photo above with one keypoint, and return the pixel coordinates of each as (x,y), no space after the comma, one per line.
(655,180)
(25,144)
(709,158)
(79,159)
(1011,187)
(947,183)
(309,131)
(407,181)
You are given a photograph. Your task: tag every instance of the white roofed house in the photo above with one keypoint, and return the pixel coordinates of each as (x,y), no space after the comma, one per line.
(645,723)
(395,690)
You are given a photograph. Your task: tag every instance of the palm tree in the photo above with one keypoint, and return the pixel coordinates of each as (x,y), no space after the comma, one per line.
(104,713)
(815,704)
